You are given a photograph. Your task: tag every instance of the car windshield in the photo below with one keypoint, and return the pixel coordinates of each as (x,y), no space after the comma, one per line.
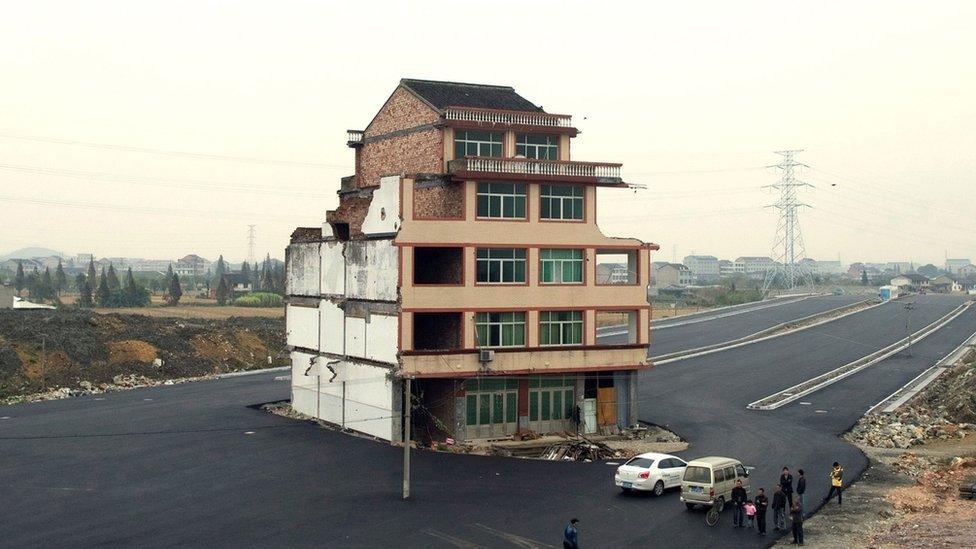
(643,463)
(698,474)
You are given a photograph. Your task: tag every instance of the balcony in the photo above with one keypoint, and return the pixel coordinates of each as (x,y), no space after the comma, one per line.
(480,168)
(521,361)
(354,138)
(508,118)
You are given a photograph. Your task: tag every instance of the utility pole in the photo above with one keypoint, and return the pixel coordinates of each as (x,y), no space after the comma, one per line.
(250,244)
(406,439)
(909,307)
(788,248)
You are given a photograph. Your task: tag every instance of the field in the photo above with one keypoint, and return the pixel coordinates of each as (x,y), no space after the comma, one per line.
(190,307)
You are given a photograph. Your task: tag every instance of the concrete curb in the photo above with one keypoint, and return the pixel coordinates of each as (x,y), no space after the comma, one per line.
(255,372)
(790,394)
(761,335)
(908,391)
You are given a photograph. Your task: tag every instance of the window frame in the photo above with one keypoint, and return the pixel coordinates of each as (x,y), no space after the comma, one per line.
(479,143)
(545,328)
(519,191)
(547,199)
(502,261)
(523,146)
(560,265)
(500,324)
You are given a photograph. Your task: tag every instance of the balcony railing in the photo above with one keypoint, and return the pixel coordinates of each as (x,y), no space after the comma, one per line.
(598,172)
(513,118)
(354,137)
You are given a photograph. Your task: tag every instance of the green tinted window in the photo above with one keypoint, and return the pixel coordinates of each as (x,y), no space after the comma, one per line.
(561,202)
(501,200)
(474,143)
(561,266)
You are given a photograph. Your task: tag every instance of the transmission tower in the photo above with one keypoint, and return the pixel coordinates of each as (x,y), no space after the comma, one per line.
(788,247)
(250,244)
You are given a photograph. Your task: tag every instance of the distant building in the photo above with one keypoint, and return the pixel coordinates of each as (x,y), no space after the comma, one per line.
(191,265)
(959,267)
(911,282)
(671,274)
(900,267)
(237,284)
(754,266)
(943,284)
(704,267)
(726,268)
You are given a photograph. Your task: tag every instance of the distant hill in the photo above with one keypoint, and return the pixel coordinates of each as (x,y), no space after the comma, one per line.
(33,251)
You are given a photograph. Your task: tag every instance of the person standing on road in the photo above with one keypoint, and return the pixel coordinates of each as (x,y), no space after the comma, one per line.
(796,516)
(762,502)
(836,483)
(801,487)
(738,501)
(786,482)
(571,535)
(779,509)
(750,509)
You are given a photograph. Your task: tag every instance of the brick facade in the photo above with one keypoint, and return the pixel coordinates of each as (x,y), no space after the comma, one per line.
(439,202)
(420,152)
(401,111)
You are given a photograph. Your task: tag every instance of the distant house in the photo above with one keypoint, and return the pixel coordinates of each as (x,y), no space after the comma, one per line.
(943,284)
(957,266)
(672,274)
(704,267)
(911,282)
(754,266)
(237,283)
(191,265)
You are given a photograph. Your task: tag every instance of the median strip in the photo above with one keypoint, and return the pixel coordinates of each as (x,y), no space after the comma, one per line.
(707,317)
(780,329)
(786,396)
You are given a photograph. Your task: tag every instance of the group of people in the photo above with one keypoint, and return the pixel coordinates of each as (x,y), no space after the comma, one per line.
(752,512)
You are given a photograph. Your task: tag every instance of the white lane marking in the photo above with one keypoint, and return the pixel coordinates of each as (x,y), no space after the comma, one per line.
(805,403)
(613,463)
(5,417)
(99,398)
(147,399)
(820,411)
(248,432)
(282,378)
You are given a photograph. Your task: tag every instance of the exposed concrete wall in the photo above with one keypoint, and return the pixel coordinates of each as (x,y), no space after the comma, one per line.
(383,215)
(302,326)
(302,267)
(371,270)
(333,281)
(332,331)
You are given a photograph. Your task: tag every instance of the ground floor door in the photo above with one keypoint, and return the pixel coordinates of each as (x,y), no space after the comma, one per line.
(552,403)
(491,414)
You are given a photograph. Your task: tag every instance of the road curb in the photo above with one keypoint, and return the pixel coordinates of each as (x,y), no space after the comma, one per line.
(762,335)
(730,313)
(255,372)
(908,391)
(790,394)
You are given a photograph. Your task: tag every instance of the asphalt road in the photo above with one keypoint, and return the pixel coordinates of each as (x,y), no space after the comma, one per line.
(195,466)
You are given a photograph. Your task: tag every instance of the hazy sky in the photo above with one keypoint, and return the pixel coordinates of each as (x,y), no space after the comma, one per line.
(692,97)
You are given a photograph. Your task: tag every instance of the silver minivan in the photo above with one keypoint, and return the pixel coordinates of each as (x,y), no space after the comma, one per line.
(709,481)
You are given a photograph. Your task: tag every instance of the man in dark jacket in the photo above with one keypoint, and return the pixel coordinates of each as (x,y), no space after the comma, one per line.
(801,486)
(739,498)
(571,535)
(786,482)
(761,502)
(796,516)
(779,509)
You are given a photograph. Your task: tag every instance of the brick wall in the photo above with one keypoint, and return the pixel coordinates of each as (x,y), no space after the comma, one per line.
(439,202)
(401,111)
(420,152)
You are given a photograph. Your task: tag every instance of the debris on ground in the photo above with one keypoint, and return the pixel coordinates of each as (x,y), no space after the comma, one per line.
(581,450)
(44,354)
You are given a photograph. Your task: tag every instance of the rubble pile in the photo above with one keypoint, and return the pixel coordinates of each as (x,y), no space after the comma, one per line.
(581,450)
(85,387)
(946,410)
(52,352)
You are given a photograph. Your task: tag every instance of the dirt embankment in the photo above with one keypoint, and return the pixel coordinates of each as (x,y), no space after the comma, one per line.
(40,350)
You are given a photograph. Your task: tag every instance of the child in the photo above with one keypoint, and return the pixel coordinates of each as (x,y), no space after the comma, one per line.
(750,513)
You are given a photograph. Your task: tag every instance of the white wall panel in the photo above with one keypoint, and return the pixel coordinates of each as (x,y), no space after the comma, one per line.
(383,216)
(381,338)
(332,327)
(372,267)
(333,268)
(302,324)
(356,337)
(303,269)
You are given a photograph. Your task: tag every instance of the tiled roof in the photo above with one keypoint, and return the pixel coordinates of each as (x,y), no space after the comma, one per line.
(457,94)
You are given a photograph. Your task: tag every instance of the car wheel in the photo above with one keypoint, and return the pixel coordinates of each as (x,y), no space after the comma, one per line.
(690,506)
(659,488)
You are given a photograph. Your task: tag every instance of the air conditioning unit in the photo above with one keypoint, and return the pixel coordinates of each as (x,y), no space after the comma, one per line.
(486,355)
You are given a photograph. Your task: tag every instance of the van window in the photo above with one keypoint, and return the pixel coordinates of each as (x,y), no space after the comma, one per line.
(740,470)
(698,474)
(719,475)
(729,473)
(640,462)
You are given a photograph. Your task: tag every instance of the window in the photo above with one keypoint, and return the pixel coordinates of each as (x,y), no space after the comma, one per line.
(719,475)
(543,147)
(436,265)
(698,474)
(561,327)
(468,143)
(561,202)
(501,200)
(491,401)
(643,463)
(561,266)
(501,265)
(500,329)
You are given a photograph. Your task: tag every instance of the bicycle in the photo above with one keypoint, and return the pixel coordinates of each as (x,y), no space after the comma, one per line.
(714,513)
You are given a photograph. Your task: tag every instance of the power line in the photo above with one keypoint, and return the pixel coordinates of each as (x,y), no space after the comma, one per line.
(167,152)
(139,209)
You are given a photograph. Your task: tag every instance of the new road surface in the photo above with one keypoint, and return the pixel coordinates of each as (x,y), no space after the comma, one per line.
(194,465)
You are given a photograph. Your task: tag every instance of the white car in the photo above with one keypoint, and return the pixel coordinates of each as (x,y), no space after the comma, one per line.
(651,472)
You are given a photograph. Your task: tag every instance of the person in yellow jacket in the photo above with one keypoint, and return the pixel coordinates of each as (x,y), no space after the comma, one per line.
(836,483)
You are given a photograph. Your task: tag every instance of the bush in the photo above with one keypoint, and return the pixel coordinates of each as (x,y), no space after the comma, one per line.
(259,299)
